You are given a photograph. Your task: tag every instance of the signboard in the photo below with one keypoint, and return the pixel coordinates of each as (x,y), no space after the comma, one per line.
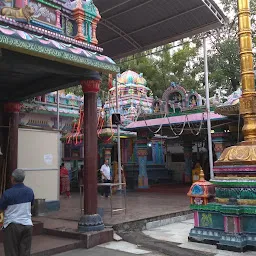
(48,159)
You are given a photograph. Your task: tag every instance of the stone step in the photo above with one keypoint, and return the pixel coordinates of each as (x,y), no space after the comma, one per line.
(37,230)
(45,245)
(145,223)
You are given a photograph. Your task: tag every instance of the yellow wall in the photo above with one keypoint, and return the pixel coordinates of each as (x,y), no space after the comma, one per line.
(38,155)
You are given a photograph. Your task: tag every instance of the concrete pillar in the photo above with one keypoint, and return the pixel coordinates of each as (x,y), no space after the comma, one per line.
(158,151)
(107,152)
(90,221)
(188,147)
(142,152)
(220,140)
(12,109)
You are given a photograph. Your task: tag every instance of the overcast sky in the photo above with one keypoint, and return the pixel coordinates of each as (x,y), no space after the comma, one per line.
(218,3)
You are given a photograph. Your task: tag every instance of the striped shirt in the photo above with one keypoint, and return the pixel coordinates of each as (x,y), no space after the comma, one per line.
(16,203)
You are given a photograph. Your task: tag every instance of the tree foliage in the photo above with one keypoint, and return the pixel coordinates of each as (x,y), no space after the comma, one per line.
(184,64)
(167,65)
(224,58)
(77,90)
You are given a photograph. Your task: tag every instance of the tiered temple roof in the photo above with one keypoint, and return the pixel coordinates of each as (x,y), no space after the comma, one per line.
(134,97)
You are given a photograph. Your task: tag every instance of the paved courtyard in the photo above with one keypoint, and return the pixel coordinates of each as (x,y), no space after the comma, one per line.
(178,233)
(140,205)
(175,234)
(112,249)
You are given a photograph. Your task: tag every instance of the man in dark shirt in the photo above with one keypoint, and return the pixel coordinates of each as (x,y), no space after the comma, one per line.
(16,204)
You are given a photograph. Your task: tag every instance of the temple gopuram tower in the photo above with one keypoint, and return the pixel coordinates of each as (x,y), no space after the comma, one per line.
(230,220)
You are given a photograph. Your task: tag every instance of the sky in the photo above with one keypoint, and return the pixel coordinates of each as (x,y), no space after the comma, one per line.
(218,3)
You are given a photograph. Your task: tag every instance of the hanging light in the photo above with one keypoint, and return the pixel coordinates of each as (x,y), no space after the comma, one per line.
(1,151)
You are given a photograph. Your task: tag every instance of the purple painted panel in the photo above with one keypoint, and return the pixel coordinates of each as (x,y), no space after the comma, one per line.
(7,3)
(43,13)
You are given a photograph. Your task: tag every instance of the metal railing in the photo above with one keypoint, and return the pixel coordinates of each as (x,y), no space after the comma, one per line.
(110,185)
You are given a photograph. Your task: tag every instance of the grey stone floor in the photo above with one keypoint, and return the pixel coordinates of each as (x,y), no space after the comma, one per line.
(165,201)
(177,232)
(112,249)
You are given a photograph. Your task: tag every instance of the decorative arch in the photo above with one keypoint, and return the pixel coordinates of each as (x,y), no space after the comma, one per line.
(171,90)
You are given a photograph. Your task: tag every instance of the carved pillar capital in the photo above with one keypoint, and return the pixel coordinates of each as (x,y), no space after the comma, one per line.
(90,86)
(12,107)
(142,151)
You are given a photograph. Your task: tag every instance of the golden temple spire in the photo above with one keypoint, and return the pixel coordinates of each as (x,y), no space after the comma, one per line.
(248,99)
(243,153)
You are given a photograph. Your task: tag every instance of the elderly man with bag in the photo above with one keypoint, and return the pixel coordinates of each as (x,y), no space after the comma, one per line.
(16,204)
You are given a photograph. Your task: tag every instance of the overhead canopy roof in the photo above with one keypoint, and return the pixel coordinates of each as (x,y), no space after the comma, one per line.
(32,65)
(131,26)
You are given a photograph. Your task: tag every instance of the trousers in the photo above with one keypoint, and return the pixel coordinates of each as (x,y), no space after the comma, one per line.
(17,240)
(106,189)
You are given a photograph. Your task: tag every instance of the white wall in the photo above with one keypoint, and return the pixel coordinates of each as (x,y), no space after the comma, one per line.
(38,155)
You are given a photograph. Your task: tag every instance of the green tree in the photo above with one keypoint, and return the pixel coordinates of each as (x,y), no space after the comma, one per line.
(224,59)
(186,66)
(164,65)
(224,66)
(77,90)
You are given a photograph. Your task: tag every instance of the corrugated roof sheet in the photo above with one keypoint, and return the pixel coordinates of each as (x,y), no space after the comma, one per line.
(130,26)
(173,120)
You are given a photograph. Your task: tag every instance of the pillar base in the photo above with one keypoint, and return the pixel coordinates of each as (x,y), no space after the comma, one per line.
(88,223)
(222,240)
(143,182)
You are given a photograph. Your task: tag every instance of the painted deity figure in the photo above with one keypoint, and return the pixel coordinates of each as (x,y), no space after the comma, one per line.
(193,101)
(102,113)
(24,13)
(196,172)
(133,112)
(234,97)
(157,108)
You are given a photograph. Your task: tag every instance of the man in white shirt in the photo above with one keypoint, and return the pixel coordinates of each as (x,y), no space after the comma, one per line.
(106,177)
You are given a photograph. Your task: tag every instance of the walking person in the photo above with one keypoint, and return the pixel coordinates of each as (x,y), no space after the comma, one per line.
(16,204)
(64,181)
(106,177)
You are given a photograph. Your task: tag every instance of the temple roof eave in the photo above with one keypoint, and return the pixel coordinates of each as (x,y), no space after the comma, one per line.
(48,108)
(23,42)
(192,118)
